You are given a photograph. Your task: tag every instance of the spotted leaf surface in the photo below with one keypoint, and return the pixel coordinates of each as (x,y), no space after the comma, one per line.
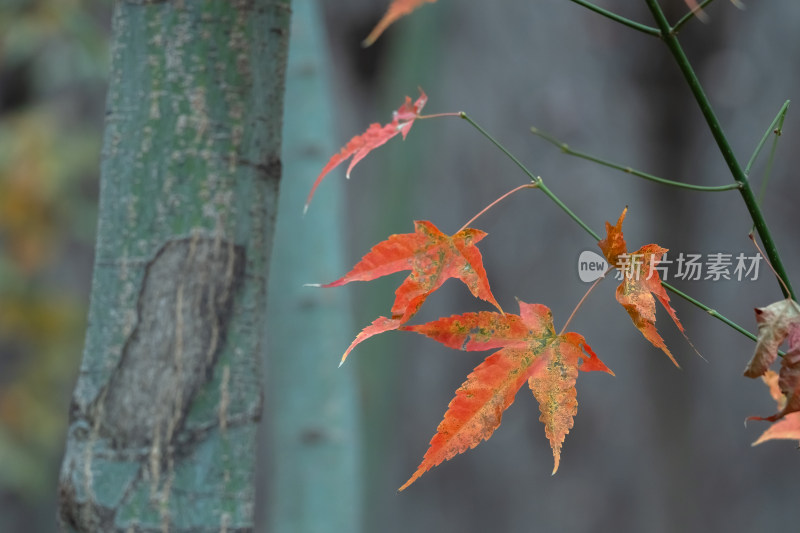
(433,258)
(531,352)
(641,283)
(778,322)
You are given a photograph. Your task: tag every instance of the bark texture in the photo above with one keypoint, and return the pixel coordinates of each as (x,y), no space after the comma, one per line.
(164,414)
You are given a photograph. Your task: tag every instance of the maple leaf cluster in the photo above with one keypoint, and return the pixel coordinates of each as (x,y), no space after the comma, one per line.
(528,348)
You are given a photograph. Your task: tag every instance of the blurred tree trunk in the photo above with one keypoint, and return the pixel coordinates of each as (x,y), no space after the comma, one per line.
(314,432)
(164,414)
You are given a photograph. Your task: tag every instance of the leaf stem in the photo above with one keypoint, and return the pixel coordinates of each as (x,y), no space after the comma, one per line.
(649,30)
(722,141)
(768,170)
(564,147)
(580,303)
(438,115)
(775,128)
(491,205)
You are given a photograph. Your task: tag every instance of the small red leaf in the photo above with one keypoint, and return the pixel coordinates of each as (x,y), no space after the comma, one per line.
(614,245)
(376,135)
(787,427)
(640,283)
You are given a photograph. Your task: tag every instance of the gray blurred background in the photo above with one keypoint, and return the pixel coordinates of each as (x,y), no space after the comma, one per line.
(653,449)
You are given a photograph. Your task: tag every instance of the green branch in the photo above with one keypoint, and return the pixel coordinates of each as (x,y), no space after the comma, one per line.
(628,170)
(537,180)
(649,30)
(540,185)
(749,198)
(502,148)
(710,311)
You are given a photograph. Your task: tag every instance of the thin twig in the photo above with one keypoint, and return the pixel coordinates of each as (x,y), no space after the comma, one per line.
(542,187)
(753,240)
(649,30)
(438,115)
(500,146)
(694,12)
(564,147)
(708,310)
(774,128)
(580,303)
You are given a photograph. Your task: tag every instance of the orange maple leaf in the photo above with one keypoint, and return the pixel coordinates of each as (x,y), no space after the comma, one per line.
(397,9)
(376,135)
(776,323)
(433,258)
(531,352)
(786,428)
(640,282)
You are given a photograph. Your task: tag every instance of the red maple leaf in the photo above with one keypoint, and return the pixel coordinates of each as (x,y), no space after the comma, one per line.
(433,258)
(787,427)
(531,352)
(640,282)
(776,323)
(397,9)
(376,135)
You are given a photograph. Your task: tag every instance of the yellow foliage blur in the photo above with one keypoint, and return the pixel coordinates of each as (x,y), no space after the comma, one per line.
(52,81)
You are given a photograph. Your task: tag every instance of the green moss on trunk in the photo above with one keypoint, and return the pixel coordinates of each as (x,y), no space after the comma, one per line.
(164,414)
